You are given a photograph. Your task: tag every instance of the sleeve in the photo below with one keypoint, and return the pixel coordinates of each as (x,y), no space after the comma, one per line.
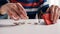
(13,1)
(2,2)
(44,6)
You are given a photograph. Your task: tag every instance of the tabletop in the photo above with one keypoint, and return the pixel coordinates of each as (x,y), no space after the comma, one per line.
(28,28)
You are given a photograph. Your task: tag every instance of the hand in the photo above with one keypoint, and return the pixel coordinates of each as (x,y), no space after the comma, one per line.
(55,13)
(14,10)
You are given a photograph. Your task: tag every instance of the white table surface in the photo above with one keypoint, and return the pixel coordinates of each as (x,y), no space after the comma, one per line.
(30,28)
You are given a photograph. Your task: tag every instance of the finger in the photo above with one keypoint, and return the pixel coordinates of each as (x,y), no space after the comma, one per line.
(13,14)
(22,17)
(16,10)
(59,12)
(52,11)
(21,7)
(21,10)
(55,14)
(12,6)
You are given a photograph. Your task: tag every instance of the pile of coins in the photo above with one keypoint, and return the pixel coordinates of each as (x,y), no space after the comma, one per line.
(22,23)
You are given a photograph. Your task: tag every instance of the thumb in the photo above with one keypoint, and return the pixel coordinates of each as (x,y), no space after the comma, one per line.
(48,10)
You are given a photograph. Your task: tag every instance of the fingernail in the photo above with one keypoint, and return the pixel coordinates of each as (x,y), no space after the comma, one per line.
(15,17)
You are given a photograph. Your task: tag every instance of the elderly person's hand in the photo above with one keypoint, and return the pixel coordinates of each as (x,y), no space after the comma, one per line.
(55,13)
(51,15)
(14,10)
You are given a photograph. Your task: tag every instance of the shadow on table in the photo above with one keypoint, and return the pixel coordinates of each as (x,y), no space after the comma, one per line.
(7,25)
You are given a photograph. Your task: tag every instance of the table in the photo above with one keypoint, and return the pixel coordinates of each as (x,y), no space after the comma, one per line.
(29,28)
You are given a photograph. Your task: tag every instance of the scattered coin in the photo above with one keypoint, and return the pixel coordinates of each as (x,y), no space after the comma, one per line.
(16,23)
(35,23)
(23,23)
(28,23)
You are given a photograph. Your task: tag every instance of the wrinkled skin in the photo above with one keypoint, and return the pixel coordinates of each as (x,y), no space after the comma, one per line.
(54,12)
(16,11)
